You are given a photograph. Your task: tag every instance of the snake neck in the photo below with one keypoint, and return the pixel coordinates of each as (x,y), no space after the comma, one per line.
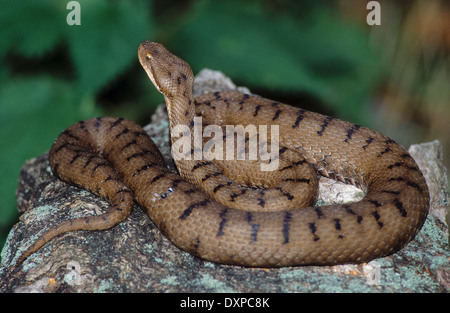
(172,77)
(181,110)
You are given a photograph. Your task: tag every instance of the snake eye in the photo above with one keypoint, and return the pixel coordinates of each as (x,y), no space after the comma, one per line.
(148,56)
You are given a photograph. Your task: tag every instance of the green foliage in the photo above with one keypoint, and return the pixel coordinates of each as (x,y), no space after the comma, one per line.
(39,101)
(25,129)
(53,74)
(320,54)
(107,42)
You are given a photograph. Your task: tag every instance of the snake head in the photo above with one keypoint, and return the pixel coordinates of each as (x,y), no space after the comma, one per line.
(171,75)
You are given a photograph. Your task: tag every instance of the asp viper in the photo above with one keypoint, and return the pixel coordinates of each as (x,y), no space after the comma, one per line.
(229,211)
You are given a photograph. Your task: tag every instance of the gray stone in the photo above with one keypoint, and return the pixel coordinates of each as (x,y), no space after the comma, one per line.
(135,257)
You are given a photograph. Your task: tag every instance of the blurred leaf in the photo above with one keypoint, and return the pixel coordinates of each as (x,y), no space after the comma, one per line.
(30,27)
(33,111)
(107,40)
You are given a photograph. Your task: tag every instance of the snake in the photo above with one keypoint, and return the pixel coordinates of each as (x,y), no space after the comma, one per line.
(228,210)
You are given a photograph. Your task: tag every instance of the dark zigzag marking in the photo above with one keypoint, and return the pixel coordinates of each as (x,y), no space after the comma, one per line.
(235,195)
(100,165)
(76,156)
(89,160)
(277,114)
(376,215)
(64,145)
(208,176)
(351,131)
(221,186)
(386,150)
(376,203)
(337,224)
(144,168)
(222,223)
(301,115)
(116,122)
(189,210)
(298,180)
(413,184)
(140,133)
(70,135)
(286,194)
(137,155)
(286,226)
(324,125)
(132,142)
(255,227)
(98,122)
(369,141)
(200,164)
(399,206)
(258,107)
(156,178)
(313,228)
(319,212)
(359,218)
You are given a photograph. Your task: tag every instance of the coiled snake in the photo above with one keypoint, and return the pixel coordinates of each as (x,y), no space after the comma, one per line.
(230,211)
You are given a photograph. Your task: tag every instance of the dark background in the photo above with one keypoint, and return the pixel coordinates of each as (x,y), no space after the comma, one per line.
(320,55)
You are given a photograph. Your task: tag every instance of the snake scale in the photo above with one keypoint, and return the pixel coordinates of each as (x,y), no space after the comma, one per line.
(229,211)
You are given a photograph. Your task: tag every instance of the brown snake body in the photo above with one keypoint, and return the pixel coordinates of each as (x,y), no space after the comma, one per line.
(262,224)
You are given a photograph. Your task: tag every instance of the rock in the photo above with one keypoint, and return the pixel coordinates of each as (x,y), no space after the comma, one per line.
(135,257)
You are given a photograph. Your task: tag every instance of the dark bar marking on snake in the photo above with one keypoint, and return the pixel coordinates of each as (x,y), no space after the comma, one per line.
(351,131)
(376,215)
(277,114)
(286,226)
(193,206)
(255,227)
(369,141)
(399,206)
(300,117)
(324,125)
(223,221)
(313,228)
